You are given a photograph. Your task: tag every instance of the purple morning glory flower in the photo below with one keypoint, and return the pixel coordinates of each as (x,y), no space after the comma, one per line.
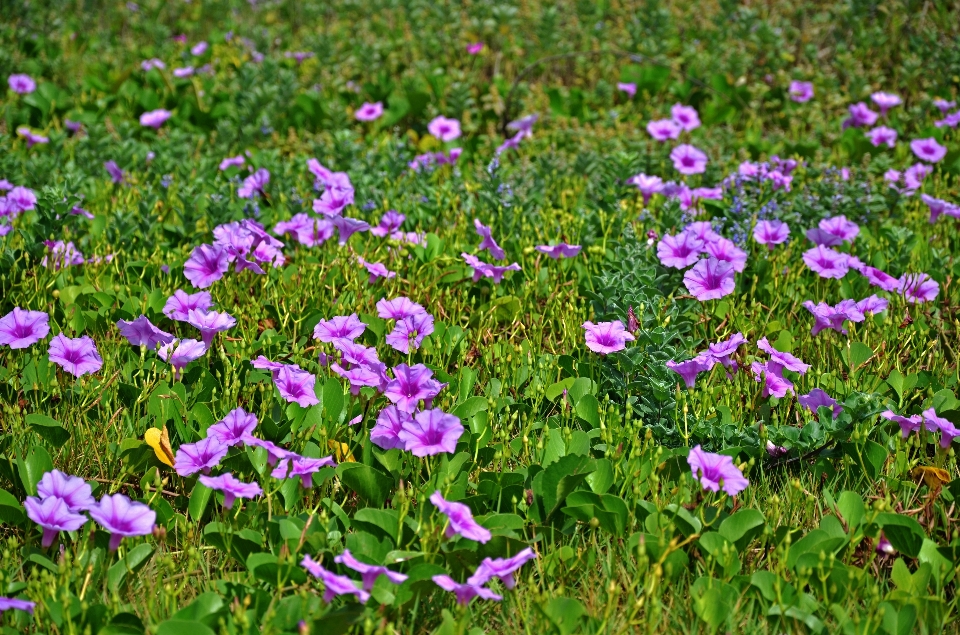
(881,135)
(77,356)
(231,429)
(206,265)
(914,175)
(488,242)
(825,317)
(928,150)
(308,231)
(73,490)
(21,84)
(918,287)
(721,351)
(209,323)
(201,456)
(938,206)
(410,385)
(461,522)
(376,270)
(873,304)
(685,116)
(885,101)
(663,130)
(179,305)
(62,255)
(231,487)
(389,223)
(369,112)
(524,125)
(20,329)
(786,360)
(606,337)
(184,71)
(142,332)
(774,382)
(771,232)
(7,604)
(386,433)
(31,137)
(116,174)
(358,354)
(296,386)
(398,308)
(274,452)
(716,471)
(560,250)
(155,118)
(340,327)
(333,584)
(907,424)
(648,185)
(180,353)
(880,279)
(123,518)
(199,49)
(948,431)
(444,129)
(502,568)
(860,116)
(347,227)
(368,572)
(819,236)
(826,262)
(725,250)
(801,92)
(816,398)
(254,184)
(410,332)
(465,592)
(688,159)
(302,466)
(231,161)
(943,105)
(690,368)
(431,432)
(21,199)
(679,251)
(54,516)
(710,279)
(628,88)
(951,121)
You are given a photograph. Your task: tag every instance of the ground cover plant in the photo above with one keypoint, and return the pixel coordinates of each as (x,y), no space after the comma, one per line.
(411,317)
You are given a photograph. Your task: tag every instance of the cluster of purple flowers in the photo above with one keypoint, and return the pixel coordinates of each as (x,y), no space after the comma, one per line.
(709,278)
(929,420)
(717,353)
(18,199)
(482,269)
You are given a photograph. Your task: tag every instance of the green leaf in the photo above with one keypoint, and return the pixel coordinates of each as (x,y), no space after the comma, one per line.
(901,384)
(859,354)
(898,622)
(565,613)
(51,430)
(203,609)
(470,407)
(11,511)
(370,484)
(199,498)
(850,507)
(32,467)
(742,527)
(183,627)
(556,482)
(556,390)
(588,409)
(267,567)
(333,398)
(130,563)
(601,480)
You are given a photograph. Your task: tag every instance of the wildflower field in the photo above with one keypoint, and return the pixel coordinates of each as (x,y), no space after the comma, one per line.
(406,316)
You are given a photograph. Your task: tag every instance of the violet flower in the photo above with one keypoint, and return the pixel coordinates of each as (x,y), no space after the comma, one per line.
(464,592)
(488,242)
(185,71)
(606,337)
(179,353)
(20,329)
(333,584)
(723,350)
(53,515)
(710,279)
(801,92)
(938,206)
(873,304)
(679,251)
(860,116)
(880,279)
(560,250)
(881,135)
(206,265)
(431,432)
(628,88)
(302,466)
(840,227)
(202,456)
(885,101)
(460,520)
(524,125)
(21,199)
(21,83)
(444,129)
(232,161)
(826,262)
(502,568)
(648,185)
(376,270)
(368,572)
(340,327)
(928,150)
(209,323)
(389,223)
(231,429)
(7,604)
(918,288)
(907,424)
(816,398)
(786,360)
(386,433)
(155,118)
(411,384)
(116,174)
(73,490)
(123,518)
(685,116)
(410,332)
(690,368)
(347,227)
(179,305)
(663,130)
(254,184)
(398,308)
(771,232)
(296,386)
(231,487)
(948,431)
(716,471)
(725,250)
(77,356)
(274,452)
(369,112)
(688,160)
(475,48)
(142,332)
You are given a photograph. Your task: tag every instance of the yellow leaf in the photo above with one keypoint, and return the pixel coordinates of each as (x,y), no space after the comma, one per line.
(934,477)
(342,450)
(160,442)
